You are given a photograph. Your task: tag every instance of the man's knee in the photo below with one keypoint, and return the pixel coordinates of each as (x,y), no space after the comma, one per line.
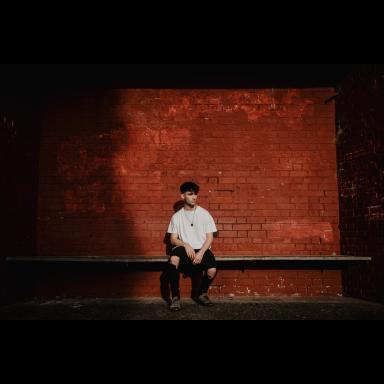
(175,261)
(212,272)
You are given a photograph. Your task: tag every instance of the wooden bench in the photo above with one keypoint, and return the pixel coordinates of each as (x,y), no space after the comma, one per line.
(225,262)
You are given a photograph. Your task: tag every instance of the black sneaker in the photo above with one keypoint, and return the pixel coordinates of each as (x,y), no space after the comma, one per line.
(204,300)
(175,305)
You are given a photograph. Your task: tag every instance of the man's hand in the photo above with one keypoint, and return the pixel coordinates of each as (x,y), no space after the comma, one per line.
(190,251)
(198,258)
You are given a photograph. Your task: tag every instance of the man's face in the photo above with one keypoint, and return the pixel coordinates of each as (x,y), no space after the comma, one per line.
(190,198)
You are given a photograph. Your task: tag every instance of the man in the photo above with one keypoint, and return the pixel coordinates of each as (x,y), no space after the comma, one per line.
(191,229)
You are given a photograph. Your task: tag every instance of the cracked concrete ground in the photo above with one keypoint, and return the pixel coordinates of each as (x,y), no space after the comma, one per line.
(237,309)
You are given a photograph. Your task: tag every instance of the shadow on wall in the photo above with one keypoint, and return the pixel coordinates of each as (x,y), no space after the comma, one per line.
(19,139)
(19,147)
(83,209)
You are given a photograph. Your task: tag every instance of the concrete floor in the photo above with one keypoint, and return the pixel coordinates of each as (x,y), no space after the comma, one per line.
(156,309)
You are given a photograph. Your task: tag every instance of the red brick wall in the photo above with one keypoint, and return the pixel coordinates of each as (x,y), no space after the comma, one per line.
(361,163)
(112,162)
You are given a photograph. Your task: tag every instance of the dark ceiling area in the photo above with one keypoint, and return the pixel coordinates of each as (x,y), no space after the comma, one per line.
(57,76)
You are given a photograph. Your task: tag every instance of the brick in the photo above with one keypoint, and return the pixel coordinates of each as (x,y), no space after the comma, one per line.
(257,234)
(224,234)
(227,220)
(242,227)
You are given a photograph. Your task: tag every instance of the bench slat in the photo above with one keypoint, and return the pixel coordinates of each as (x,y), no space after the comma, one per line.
(161,259)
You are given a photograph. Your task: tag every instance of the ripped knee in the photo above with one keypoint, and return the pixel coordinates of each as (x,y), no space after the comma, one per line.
(175,261)
(211,273)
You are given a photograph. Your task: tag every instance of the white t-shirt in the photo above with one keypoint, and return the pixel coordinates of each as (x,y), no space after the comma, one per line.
(195,235)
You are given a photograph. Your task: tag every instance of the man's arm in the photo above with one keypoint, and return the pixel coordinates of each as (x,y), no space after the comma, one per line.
(206,246)
(178,243)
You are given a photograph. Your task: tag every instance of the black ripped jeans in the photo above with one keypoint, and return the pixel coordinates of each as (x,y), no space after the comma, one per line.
(186,266)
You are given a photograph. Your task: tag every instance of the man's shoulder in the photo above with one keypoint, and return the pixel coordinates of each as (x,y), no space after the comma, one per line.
(178,213)
(204,211)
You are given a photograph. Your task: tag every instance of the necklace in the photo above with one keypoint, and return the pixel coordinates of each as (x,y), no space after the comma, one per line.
(193,216)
